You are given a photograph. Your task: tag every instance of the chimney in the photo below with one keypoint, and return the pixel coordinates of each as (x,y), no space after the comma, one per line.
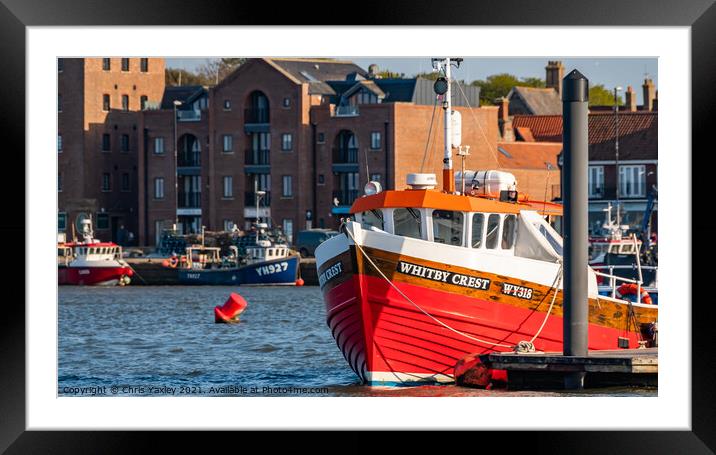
(503,119)
(555,73)
(649,92)
(630,99)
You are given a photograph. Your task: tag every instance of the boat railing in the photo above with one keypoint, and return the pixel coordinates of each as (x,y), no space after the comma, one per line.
(613,279)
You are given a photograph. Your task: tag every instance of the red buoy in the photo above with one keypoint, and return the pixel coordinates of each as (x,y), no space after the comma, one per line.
(299,282)
(231,310)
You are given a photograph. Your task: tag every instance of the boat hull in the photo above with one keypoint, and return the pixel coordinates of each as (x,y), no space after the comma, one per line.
(92,275)
(282,271)
(409,328)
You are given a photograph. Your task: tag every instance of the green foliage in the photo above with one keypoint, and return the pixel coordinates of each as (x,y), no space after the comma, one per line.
(387,74)
(432,75)
(210,73)
(601,96)
(499,85)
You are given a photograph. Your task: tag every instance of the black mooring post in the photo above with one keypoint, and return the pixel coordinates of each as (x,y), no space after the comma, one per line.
(575,96)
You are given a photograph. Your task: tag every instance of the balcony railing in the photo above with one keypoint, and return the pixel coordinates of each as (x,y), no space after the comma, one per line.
(256,115)
(257,157)
(345,155)
(189,200)
(189,159)
(189,116)
(346,197)
(347,111)
(250,199)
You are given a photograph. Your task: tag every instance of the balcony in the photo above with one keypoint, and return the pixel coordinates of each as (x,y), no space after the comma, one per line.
(257,158)
(189,116)
(250,199)
(189,159)
(345,156)
(256,115)
(345,197)
(346,111)
(189,200)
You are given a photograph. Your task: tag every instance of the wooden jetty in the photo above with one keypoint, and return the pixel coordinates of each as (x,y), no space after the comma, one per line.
(622,367)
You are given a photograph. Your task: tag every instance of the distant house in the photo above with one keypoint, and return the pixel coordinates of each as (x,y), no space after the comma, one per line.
(534,101)
(638,158)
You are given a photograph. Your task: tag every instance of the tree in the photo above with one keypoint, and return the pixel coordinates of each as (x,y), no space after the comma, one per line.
(601,96)
(215,70)
(387,74)
(432,75)
(499,85)
(179,76)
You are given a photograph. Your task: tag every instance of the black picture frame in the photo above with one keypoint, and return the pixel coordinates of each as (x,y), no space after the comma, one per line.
(16,15)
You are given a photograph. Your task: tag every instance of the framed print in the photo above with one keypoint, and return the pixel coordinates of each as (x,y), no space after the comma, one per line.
(206,148)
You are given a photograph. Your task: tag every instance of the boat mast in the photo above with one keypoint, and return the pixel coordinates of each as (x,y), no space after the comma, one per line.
(448,172)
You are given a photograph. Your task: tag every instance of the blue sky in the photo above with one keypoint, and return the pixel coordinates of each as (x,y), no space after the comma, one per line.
(611,72)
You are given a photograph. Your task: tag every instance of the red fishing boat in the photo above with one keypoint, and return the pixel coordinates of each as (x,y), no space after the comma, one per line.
(91,262)
(421,278)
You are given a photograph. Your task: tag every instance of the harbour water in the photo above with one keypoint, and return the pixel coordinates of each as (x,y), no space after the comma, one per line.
(162,341)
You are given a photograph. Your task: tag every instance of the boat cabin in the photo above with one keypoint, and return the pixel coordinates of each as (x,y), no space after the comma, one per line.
(260,253)
(99,251)
(497,227)
(203,257)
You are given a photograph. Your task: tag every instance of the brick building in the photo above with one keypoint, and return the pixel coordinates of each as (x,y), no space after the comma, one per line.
(97,141)
(307,133)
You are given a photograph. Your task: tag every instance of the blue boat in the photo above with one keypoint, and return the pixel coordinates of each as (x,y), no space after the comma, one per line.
(265,263)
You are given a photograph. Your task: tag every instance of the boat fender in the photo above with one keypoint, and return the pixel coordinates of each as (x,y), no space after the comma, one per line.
(300,282)
(632,289)
(173,262)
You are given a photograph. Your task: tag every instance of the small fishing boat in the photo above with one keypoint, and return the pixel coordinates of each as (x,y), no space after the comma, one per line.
(265,263)
(91,262)
(421,277)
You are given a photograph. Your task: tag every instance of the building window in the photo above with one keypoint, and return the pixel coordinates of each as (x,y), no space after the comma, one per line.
(287,102)
(632,181)
(61,221)
(106,182)
(125,182)
(596,181)
(287,186)
(125,64)
(102,221)
(159,146)
(375,142)
(287,142)
(144,65)
(60,65)
(59,103)
(228,143)
(124,143)
(288,230)
(227,105)
(106,143)
(105,102)
(228,186)
(59,182)
(321,179)
(125,102)
(59,143)
(321,138)
(159,188)
(143,102)
(106,64)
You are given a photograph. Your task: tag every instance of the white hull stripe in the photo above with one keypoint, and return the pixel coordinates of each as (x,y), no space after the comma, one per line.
(390,377)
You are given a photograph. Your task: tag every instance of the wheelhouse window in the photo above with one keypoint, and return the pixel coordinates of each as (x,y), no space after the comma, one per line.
(478,230)
(407,222)
(508,231)
(493,231)
(372,218)
(447,227)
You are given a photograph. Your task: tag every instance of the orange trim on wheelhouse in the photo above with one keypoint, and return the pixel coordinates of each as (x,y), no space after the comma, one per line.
(439,200)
